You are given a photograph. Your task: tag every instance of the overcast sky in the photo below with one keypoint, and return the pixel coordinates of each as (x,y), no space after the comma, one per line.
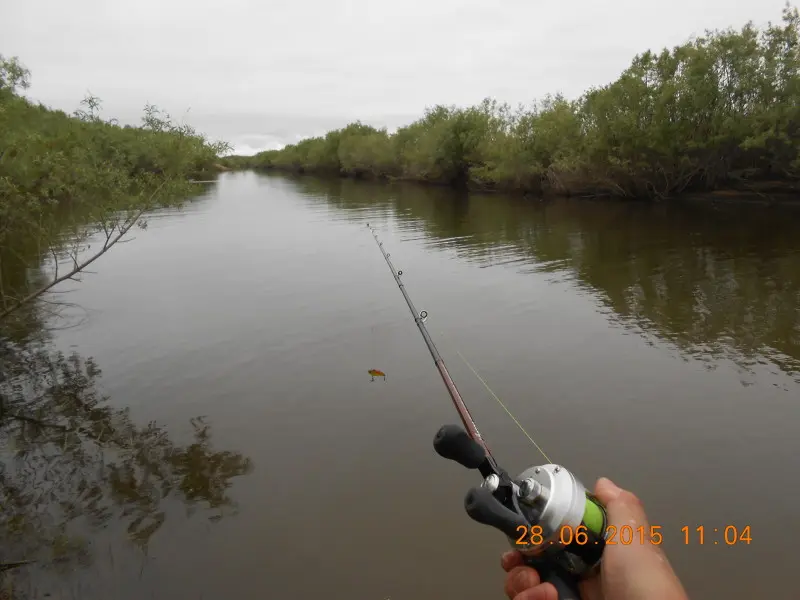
(264,73)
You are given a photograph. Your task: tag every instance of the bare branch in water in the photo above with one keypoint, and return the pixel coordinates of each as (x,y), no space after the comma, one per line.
(19,417)
(13,565)
(55,261)
(78,267)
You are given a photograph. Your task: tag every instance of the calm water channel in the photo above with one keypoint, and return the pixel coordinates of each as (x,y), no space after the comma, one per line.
(656,345)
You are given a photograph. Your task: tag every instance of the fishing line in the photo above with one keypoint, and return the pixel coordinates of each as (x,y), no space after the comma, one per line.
(420,317)
(505,408)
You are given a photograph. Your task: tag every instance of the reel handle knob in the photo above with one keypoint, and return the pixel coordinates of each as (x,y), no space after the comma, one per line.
(484,508)
(453,443)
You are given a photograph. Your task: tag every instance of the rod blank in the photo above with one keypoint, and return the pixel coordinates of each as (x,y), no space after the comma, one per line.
(455,395)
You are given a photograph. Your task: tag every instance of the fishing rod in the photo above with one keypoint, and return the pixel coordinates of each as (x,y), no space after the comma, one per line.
(546,512)
(420,318)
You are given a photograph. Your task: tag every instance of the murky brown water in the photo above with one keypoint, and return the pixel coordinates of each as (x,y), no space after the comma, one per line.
(657,345)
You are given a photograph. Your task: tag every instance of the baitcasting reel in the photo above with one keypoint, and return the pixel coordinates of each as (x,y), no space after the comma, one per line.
(546,513)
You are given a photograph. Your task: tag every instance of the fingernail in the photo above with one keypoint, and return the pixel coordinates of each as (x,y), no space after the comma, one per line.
(612,490)
(507,556)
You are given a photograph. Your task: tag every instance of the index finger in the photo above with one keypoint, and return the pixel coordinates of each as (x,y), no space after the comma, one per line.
(511,559)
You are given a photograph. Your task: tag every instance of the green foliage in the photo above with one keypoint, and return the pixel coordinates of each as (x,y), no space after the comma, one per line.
(48,158)
(59,172)
(13,75)
(366,152)
(720,111)
(235,161)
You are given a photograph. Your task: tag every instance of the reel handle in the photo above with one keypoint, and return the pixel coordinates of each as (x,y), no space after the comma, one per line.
(485,503)
(453,443)
(483,507)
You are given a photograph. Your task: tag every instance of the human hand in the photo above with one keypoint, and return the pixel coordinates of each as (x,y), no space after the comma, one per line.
(627,572)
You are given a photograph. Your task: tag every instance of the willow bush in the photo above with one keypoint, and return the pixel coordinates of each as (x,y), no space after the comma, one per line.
(63,176)
(719,111)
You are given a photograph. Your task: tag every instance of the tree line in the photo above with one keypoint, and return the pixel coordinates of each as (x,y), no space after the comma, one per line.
(719,111)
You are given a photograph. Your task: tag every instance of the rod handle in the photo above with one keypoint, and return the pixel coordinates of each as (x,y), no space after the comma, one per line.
(453,443)
(566,587)
(565,583)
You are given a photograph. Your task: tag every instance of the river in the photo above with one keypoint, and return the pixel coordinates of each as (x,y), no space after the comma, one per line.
(658,345)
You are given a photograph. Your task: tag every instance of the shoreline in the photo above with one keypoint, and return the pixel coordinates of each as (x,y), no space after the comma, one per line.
(784,191)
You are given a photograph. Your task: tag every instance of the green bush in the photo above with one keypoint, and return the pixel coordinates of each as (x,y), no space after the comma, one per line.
(62,173)
(721,110)
(49,158)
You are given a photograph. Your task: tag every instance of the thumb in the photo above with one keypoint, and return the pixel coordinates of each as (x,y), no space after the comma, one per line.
(634,567)
(622,507)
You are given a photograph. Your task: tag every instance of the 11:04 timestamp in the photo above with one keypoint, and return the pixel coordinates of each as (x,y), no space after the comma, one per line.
(627,535)
(731,535)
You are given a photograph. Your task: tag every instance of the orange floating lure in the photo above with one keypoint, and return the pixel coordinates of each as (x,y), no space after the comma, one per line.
(376,373)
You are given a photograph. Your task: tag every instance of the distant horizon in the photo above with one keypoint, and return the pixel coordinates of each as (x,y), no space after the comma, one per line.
(277,131)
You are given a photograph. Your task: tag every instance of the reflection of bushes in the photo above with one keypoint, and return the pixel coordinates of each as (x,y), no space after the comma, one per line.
(70,458)
(720,110)
(687,276)
(710,279)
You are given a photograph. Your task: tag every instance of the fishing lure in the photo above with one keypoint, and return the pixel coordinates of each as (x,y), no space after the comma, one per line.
(376,373)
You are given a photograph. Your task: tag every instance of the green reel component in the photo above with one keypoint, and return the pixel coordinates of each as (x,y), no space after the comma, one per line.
(594,516)
(567,523)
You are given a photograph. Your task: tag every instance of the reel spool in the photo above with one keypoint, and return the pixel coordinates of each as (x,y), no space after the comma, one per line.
(546,512)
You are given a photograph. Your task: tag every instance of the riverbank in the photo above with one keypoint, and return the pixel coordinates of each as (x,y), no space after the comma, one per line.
(783,191)
(63,175)
(720,112)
